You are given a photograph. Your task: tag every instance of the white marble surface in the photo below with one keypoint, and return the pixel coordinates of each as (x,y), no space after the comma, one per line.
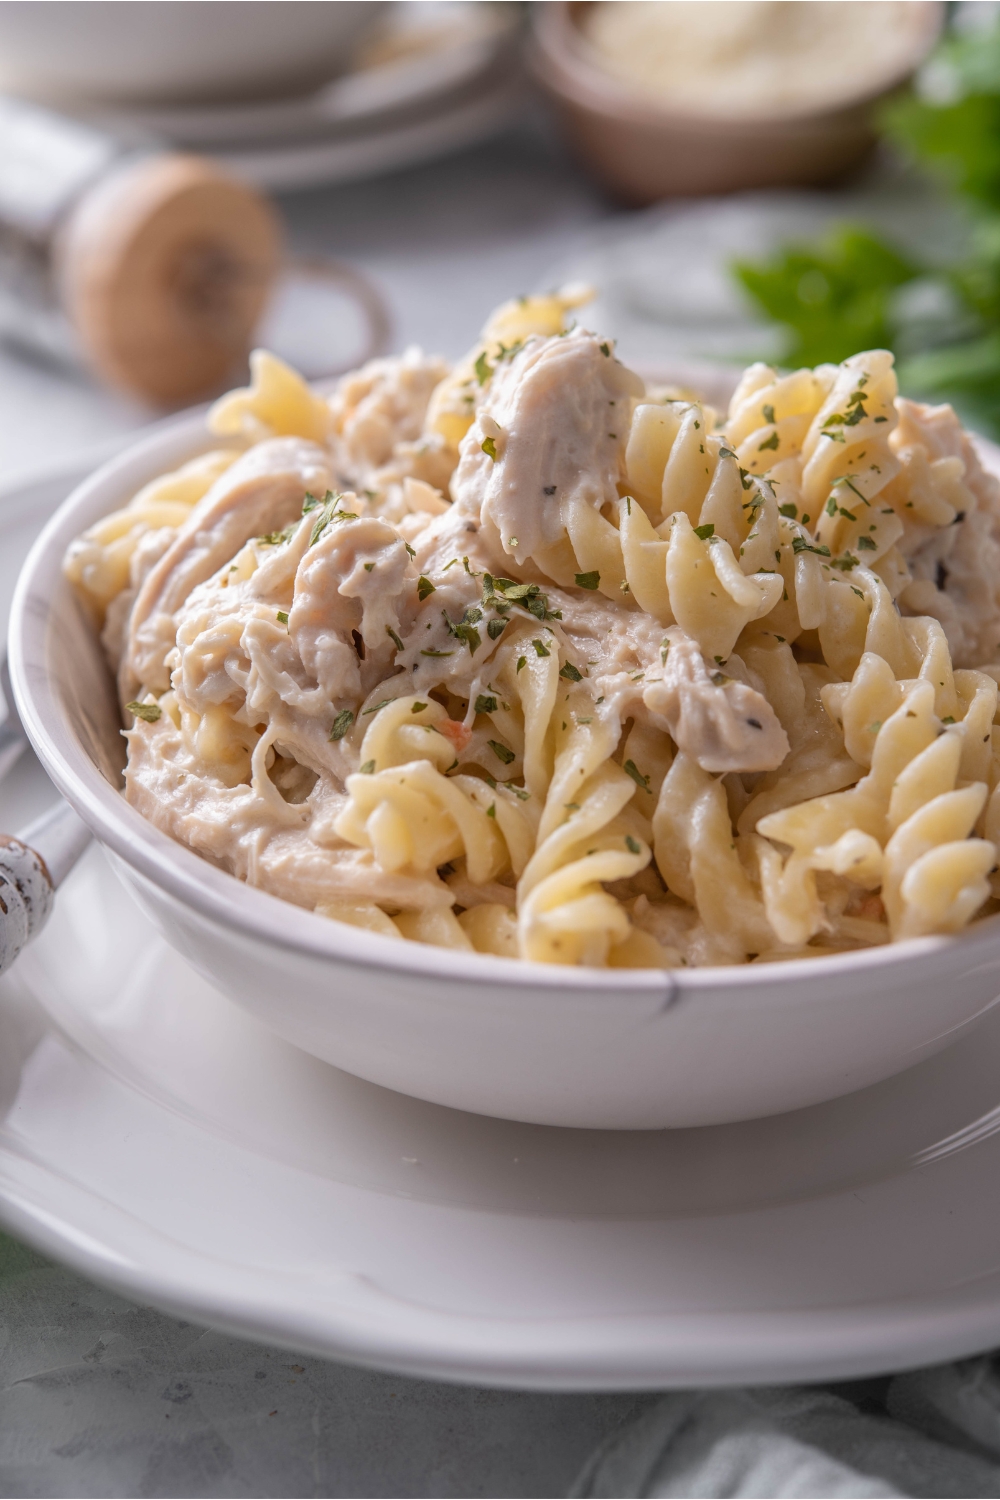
(102,1397)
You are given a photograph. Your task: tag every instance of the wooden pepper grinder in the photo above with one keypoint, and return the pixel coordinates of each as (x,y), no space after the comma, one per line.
(151,268)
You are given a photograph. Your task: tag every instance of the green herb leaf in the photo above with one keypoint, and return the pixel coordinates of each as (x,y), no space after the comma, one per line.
(495,628)
(367,768)
(148,712)
(588,580)
(501,751)
(341,724)
(799,544)
(483,368)
(540,649)
(486,704)
(431,652)
(866,544)
(394,638)
(282,617)
(276,538)
(424,588)
(376,706)
(631,769)
(768,413)
(632,845)
(831,299)
(489,447)
(704,532)
(774,441)
(789,510)
(570,672)
(522,661)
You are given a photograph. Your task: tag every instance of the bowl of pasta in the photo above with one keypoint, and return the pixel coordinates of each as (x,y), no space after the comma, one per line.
(539,741)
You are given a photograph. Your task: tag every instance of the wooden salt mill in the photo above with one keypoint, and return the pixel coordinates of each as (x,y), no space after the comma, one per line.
(151,268)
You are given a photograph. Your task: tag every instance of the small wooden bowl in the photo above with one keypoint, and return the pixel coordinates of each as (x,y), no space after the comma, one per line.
(643,152)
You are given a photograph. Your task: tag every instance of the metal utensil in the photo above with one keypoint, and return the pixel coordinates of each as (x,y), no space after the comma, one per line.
(36,861)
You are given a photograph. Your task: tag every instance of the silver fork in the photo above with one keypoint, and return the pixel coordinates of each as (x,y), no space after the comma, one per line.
(36,861)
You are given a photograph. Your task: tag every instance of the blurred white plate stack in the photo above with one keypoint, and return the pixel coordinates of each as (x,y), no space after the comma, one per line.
(421,79)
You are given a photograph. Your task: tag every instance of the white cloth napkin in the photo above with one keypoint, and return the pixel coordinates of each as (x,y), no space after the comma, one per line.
(933,1432)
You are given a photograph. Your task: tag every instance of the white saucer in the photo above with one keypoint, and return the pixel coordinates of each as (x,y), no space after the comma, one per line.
(160,1141)
(454,80)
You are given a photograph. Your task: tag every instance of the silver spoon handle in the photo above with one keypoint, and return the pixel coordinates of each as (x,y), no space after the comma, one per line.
(33,864)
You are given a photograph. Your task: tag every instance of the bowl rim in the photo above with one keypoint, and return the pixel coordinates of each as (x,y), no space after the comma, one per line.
(558,42)
(259,916)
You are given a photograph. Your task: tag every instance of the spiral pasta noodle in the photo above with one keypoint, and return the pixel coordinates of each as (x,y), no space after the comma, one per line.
(521,659)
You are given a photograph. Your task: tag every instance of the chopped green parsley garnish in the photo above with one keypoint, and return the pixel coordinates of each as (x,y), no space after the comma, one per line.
(605,350)
(148,712)
(768,412)
(867,544)
(570,672)
(376,706)
(483,368)
(502,752)
(341,724)
(704,532)
(495,628)
(588,580)
(790,511)
(466,630)
(522,661)
(489,447)
(491,811)
(367,768)
(632,845)
(540,649)
(799,544)
(431,652)
(774,442)
(276,538)
(631,769)
(501,594)
(486,704)
(282,617)
(394,638)
(424,588)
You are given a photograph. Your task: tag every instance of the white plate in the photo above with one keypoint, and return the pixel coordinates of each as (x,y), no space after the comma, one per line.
(159,1140)
(456,87)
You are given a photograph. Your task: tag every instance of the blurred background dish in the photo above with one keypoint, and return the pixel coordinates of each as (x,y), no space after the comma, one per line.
(401,83)
(155,49)
(661,99)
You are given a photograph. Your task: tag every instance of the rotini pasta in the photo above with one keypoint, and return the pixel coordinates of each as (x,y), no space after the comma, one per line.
(520,659)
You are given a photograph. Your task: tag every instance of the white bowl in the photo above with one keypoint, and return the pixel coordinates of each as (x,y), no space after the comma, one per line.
(115,50)
(612,1049)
